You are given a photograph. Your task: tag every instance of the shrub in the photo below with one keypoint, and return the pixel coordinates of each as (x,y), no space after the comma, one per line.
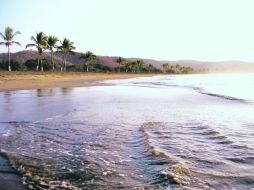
(31,65)
(77,67)
(16,65)
(97,67)
(47,65)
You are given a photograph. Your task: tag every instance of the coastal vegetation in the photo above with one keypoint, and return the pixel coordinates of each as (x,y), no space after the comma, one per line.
(52,40)
(88,61)
(168,68)
(120,62)
(40,42)
(65,48)
(89,57)
(8,37)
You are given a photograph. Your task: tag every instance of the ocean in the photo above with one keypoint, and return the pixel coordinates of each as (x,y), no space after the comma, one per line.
(161,132)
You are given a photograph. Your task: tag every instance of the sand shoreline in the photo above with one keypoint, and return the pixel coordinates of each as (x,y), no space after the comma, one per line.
(12,81)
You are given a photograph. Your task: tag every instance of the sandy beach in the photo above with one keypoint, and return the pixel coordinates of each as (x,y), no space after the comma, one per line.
(37,80)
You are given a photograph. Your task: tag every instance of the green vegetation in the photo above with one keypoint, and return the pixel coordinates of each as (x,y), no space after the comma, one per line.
(52,40)
(91,63)
(8,41)
(98,67)
(120,62)
(177,69)
(15,65)
(65,48)
(139,66)
(40,42)
(89,57)
(29,65)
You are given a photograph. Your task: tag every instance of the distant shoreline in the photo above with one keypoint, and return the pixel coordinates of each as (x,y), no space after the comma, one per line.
(12,81)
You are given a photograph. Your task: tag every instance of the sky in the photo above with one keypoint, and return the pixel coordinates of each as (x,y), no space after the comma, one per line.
(208,30)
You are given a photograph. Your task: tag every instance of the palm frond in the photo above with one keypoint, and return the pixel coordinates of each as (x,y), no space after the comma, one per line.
(31,45)
(8,33)
(33,39)
(16,33)
(52,40)
(14,42)
(2,35)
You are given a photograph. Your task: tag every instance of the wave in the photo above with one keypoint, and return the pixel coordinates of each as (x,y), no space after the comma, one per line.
(195,155)
(175,171)
(224,97)
(197,89)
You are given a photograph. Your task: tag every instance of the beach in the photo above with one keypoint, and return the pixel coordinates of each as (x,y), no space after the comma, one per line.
(9,178)
(126,95)
(159,132)
(38,80)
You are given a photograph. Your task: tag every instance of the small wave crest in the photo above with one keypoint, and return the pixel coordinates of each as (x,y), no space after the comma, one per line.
(224,96)
(175,170)
(195,88)
(194,152)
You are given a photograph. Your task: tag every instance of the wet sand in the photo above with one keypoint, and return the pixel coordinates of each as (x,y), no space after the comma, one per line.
(10,81)
(9,179)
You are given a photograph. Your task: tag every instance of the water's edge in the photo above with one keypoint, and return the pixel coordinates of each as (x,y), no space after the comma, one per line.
(9,177)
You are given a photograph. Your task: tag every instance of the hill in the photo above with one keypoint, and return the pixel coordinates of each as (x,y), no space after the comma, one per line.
(226,66)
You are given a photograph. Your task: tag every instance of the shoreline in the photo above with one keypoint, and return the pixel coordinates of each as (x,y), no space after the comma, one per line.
(13,81)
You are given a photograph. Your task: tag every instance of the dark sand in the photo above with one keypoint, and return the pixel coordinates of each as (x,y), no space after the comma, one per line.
(9,178)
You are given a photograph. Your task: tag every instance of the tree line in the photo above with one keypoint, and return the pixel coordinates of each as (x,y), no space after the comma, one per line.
(168,68)
(65,47)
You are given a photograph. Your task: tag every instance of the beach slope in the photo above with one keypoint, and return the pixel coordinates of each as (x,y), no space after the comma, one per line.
(39,80)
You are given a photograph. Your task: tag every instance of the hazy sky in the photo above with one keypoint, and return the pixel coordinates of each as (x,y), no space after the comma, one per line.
(159,29)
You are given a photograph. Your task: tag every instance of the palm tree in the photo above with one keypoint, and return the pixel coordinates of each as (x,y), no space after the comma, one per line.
(40,42)
(127,66)
(166,67)
(52,40)
(8,41)
(150,67)
(65,48)
(178,68)
(120,61)
(88,57)
(134,66)
(140,64)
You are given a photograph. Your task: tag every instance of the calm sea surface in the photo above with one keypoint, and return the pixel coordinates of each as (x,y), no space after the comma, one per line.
(162,132)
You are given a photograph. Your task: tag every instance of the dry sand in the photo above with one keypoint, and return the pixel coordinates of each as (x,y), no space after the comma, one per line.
(38,80)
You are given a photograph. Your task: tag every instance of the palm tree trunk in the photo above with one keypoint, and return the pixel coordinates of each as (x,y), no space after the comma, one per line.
(64,64)
(38,62)
(41,62)
(41,66)
(87,68)
(52,61)
(9,56)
